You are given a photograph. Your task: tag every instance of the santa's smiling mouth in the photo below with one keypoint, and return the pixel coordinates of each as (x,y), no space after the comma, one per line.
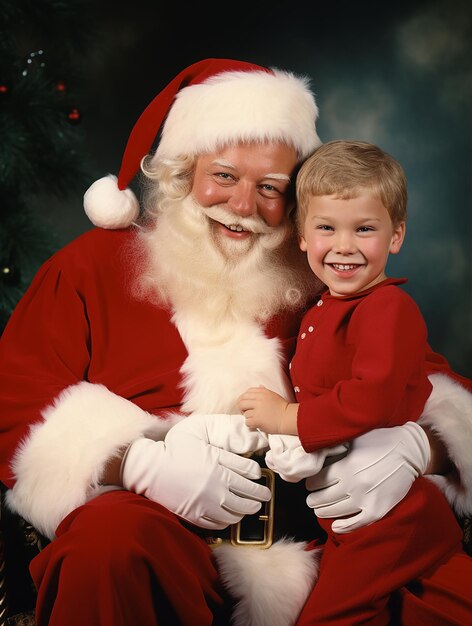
(236,228)
(235,225)
(232,230)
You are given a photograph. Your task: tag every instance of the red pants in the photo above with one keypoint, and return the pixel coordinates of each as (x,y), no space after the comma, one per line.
(122,560)
(359,571)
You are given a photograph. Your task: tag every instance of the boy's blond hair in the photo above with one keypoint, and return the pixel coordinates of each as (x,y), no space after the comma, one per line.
(344,169)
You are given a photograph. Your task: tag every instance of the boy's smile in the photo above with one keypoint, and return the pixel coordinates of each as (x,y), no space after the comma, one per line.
(348,241)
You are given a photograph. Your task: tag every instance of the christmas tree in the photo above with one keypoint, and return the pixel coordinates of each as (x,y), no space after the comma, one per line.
(42,44)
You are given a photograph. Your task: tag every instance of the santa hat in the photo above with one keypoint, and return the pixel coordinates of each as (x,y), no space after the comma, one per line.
(210,104)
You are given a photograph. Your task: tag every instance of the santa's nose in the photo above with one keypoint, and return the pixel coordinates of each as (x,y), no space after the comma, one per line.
(243,200)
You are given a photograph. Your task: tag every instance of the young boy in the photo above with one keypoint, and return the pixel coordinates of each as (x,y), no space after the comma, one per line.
(359,365)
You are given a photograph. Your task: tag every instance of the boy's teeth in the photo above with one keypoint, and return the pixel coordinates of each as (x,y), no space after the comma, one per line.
(342,268)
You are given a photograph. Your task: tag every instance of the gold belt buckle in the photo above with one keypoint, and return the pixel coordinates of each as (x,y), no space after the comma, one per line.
(264,521)
(265,516)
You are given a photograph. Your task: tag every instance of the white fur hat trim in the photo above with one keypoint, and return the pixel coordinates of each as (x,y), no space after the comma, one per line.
(241,106)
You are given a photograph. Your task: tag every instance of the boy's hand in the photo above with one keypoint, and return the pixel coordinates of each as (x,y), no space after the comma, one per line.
(268,411)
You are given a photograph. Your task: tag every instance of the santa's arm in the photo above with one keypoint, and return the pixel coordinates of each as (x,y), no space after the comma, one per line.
(382,464)
(60,465)
(58,430)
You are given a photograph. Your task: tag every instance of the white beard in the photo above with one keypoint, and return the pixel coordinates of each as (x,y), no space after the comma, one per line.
(221,293)
(189,267)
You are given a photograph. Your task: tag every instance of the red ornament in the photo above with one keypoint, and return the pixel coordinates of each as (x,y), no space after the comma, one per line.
(61,86)
(74,116)
(3,88)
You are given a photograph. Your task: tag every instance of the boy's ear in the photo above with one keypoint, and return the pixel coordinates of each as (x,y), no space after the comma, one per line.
(302,243)
(397,238)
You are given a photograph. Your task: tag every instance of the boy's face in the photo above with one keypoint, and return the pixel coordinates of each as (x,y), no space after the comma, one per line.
(348,241)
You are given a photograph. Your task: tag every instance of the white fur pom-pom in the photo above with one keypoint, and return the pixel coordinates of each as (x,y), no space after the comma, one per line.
(108,207)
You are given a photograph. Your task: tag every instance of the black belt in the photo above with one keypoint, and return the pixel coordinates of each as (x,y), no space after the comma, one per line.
(285,515)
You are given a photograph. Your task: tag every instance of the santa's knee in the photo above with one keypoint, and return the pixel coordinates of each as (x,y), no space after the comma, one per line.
(102,536)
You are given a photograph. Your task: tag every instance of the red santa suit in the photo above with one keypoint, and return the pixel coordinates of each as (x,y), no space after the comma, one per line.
(360,365)
(86,367)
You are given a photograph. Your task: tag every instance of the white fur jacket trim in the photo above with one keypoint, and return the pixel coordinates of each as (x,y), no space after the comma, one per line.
(59,465)
(448,412)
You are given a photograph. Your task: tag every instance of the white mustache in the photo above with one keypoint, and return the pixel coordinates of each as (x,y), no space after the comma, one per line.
(251,224)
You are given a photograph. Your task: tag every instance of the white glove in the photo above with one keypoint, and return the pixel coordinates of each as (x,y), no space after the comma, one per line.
(228,432)
(204,485)
(376,474)
(288,458)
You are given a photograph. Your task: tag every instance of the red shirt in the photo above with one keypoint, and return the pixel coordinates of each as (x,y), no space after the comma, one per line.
(360,364)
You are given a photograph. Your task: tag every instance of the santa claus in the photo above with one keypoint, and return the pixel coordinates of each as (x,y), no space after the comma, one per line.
(122,365)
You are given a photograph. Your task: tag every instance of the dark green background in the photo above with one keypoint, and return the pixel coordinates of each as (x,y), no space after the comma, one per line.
(396,74)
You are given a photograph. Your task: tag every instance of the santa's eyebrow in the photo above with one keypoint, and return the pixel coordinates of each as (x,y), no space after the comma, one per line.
(223,163)
(284,177)
(270,175)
